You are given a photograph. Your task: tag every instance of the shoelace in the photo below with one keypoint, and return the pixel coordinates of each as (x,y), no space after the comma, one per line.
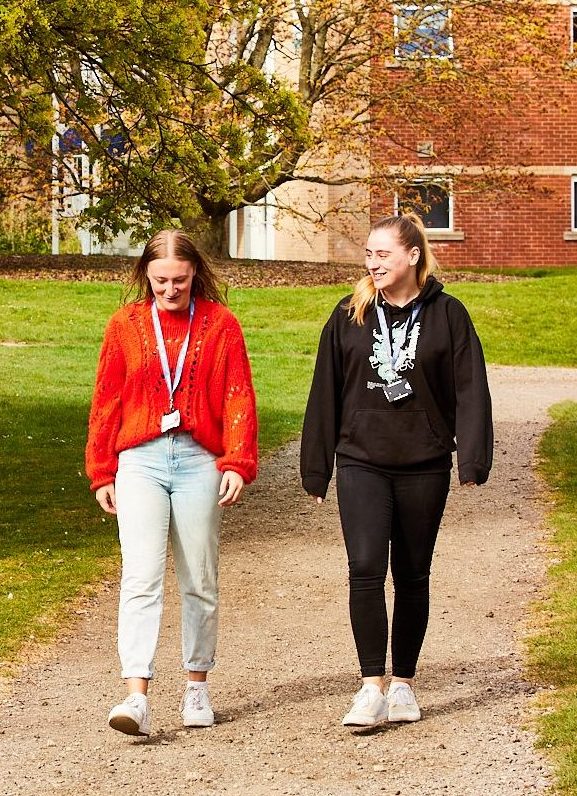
(196,698)
(401,695)
(363,697)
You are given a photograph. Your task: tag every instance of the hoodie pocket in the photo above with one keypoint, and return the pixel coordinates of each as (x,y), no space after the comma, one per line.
(393,438)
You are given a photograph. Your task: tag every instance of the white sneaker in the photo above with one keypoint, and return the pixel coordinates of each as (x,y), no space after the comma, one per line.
(195,707)
(132,716)
(402,703)
(369,707)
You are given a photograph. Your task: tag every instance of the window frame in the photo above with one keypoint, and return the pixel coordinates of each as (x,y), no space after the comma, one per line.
(448,187)
(431,7)
(573,29)
(574,203)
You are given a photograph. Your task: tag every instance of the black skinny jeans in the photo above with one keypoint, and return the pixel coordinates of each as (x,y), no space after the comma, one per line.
(404,511)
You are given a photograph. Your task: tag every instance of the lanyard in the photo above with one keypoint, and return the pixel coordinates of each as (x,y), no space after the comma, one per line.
(171,385)
(387,331)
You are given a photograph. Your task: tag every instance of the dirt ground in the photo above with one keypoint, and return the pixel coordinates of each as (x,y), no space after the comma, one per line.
(234,273)
(286,665)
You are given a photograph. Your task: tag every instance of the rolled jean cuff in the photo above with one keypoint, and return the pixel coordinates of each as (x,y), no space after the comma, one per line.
(199,667)
(141,674)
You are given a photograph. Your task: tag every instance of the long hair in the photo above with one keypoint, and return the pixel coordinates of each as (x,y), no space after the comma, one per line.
(411,233)
(174,243)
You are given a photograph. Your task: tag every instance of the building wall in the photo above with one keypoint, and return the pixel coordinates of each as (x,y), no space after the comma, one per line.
(508,232)
(347,231)
(533,143)
(296,237)
(288,230)
(530,231)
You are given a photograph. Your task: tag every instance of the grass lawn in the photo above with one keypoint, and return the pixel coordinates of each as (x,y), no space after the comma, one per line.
(553,652)
(55,541)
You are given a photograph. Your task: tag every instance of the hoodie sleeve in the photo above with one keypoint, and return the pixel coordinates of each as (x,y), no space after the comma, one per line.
(322,415)
(473,421)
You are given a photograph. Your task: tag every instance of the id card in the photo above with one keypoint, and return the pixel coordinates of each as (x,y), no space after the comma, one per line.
(169,421)
(397,390)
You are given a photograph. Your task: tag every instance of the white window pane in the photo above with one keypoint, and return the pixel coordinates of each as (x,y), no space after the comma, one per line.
(423,31)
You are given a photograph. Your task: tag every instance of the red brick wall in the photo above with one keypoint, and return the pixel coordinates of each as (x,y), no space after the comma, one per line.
(509,231)
(538,128)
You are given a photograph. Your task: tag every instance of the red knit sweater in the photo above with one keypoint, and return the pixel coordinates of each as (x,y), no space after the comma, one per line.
(215,395)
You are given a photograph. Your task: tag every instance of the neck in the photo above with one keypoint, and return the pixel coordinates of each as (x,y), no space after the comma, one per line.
(402,296)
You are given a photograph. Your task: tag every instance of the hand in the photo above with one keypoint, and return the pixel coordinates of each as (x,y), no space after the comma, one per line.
(231,487)
(469,483)
(319,500)
(106,496)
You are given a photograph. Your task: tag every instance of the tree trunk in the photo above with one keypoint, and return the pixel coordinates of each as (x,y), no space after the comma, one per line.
(209,233)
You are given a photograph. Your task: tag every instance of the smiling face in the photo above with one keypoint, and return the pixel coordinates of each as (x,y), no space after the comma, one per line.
(171,282)
(391,266)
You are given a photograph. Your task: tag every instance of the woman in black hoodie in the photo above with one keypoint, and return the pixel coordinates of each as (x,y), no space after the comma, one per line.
(399,384)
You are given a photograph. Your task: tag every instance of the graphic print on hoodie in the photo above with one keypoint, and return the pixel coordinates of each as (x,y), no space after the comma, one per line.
(403,339)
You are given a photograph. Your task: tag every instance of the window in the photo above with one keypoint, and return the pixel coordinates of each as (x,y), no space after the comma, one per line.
(573,204)
(433,202)
(573,31)
(423,31)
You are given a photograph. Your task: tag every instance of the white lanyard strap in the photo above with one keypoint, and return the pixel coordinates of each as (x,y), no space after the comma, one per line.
(171,385)
(395,350)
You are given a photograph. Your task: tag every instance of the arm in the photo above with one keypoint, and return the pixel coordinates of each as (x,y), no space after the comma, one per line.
(231,488)
(106,497)
(322,415)
(239,418)
(473,423)
(105,412)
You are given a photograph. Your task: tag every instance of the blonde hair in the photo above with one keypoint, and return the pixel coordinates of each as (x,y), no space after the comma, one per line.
(412,234)
(174,243)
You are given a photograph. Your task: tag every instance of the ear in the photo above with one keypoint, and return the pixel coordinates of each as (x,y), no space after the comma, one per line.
(414,255)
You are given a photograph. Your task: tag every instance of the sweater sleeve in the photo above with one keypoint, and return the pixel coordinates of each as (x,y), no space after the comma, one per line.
(239,418)
(322,415)
(106,411)
(473,422)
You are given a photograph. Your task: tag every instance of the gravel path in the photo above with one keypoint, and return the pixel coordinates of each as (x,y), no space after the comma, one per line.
(287,668)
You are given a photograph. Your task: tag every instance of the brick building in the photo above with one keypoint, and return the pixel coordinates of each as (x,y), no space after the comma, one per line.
(442,162)
(532,142)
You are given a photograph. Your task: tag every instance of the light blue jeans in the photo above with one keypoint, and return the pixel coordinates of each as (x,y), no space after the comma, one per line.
(167,487)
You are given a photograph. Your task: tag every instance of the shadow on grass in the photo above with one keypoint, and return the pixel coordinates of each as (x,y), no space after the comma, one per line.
(54,540)
(46,501)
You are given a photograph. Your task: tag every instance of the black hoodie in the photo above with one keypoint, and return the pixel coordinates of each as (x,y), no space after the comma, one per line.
(347,411)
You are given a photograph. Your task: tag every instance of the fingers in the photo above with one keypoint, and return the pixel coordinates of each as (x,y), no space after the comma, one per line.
(231,488)
(106,497)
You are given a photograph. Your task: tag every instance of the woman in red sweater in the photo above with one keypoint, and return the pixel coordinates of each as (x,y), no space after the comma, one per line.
(172,440)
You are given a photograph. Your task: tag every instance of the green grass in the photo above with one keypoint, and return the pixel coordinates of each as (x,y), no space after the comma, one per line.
(529,322)
(553,652)
(282,327)
(54,541)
